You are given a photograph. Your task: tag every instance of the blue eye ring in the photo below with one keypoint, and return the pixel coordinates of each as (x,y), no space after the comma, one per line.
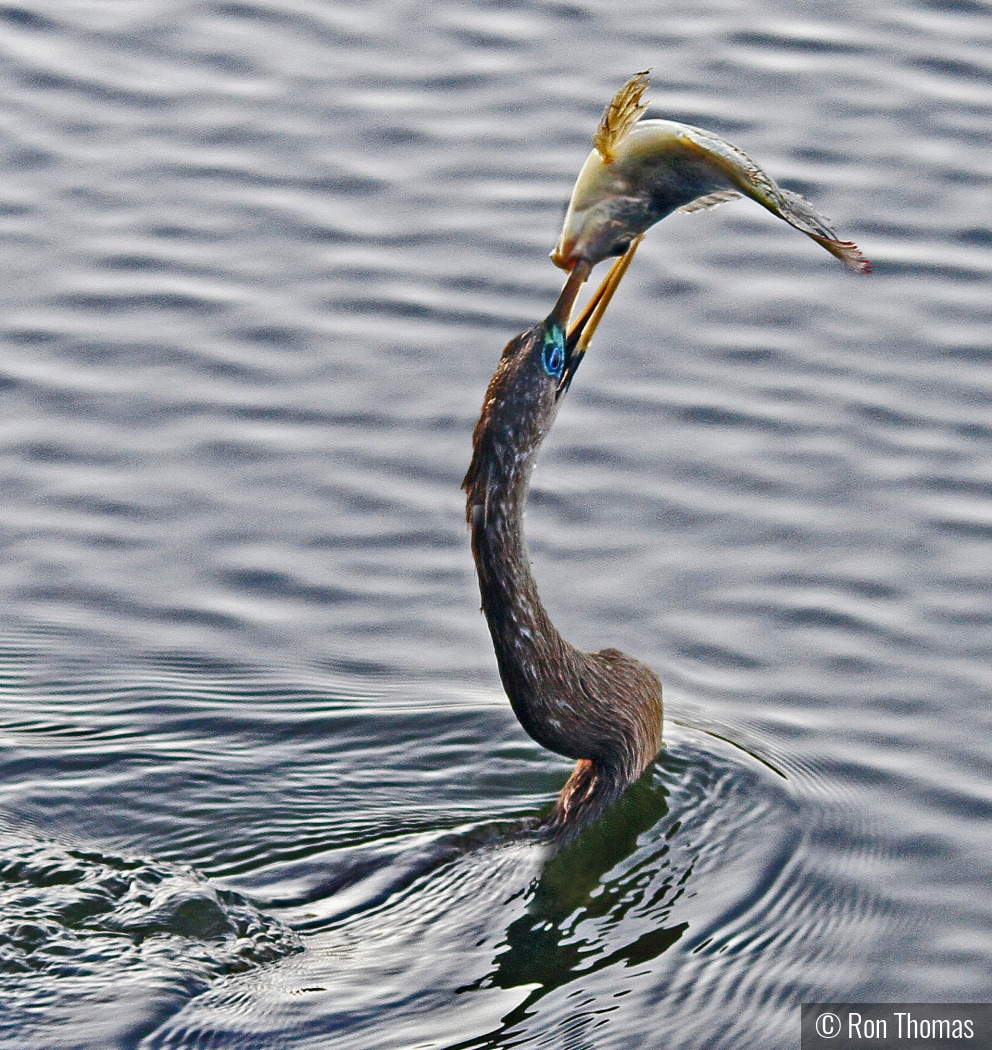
(553,352)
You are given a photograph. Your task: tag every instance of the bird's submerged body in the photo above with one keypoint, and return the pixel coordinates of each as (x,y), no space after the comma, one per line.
(602,708)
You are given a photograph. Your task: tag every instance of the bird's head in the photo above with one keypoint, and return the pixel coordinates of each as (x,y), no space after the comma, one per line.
(537,366)
(536,369)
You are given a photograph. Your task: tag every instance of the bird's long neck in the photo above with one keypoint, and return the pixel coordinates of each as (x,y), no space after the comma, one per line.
(602,708)
(529,649)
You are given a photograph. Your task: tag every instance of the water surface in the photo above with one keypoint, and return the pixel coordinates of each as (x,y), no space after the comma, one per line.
(259,785)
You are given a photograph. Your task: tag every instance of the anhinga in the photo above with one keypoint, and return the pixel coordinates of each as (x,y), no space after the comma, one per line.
(602,708)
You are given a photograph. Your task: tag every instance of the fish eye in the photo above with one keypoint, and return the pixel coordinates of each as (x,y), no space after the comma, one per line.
(553,353)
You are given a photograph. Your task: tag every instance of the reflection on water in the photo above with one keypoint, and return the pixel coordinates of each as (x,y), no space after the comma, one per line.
(582,890)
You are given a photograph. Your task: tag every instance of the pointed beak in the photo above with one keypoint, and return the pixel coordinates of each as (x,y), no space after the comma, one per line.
(563,308)
(581,333)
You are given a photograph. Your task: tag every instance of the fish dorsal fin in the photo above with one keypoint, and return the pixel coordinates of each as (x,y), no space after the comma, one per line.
(623,112)
(711,200)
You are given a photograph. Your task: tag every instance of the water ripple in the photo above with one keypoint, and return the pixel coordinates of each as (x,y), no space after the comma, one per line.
(93,924)
(259,262)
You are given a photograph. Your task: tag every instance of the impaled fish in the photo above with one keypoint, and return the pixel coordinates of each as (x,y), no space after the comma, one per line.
(641,171)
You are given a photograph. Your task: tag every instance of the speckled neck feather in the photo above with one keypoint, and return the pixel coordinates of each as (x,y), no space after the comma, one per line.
(602,708)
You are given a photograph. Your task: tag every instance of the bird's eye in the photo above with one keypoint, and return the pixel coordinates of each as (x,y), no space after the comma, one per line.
(553,354)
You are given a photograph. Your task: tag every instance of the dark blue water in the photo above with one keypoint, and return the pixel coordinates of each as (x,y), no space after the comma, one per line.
(259,784)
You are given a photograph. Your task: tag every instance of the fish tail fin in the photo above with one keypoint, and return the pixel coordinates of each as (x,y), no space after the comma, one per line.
(623,112)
